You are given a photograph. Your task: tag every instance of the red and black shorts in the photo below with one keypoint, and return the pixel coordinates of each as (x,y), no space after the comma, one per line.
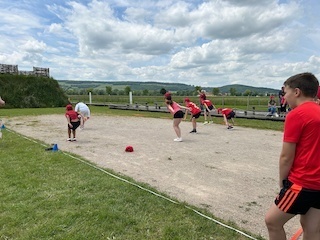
(295,199)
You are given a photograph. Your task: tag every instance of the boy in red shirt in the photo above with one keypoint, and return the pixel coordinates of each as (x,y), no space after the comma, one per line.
(299,162)
(195,113)
(74,121)
(228,114)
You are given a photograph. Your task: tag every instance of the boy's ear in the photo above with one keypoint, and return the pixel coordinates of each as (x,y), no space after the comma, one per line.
(297,92)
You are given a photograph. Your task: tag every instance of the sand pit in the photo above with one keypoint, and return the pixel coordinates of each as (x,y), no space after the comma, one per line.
(231,173)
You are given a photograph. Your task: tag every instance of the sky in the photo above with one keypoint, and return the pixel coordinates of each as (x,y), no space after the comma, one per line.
(208,43)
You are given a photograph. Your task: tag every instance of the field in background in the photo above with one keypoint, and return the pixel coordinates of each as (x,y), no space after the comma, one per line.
(238,102)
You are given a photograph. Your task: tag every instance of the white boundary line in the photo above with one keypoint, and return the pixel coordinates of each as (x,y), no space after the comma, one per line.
(138,186)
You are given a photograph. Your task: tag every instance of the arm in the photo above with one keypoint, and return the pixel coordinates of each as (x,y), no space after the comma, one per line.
(225,119)
(68,119)
(185,115)
(286,160)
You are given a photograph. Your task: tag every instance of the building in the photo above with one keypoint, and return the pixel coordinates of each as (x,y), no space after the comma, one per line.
(13,69)
(10,69)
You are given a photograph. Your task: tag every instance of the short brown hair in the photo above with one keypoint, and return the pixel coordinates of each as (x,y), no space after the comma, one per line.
(306,82)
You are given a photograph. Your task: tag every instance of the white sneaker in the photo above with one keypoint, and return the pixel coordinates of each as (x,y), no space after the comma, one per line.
(69,139)
(206,122)
(177,139)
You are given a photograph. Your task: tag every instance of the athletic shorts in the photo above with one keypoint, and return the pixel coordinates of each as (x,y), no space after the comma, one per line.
(231,115)
(178,114)
(295,199)
(196,115)
(75,125)
(210,108)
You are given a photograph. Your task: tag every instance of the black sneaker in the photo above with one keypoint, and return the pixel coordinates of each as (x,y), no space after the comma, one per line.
(193,131)
(229,127)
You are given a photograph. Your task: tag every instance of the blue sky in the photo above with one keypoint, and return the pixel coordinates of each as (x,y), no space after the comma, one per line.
(207,43)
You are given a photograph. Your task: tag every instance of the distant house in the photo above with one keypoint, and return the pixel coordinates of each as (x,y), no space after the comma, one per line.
(13,69)
(9,69)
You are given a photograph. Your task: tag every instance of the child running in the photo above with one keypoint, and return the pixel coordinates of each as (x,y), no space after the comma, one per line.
(175,109)
(228,114)
(195,113)
(74,121)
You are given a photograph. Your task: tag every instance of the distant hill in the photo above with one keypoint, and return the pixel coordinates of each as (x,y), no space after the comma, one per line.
(242,88)
(156,86)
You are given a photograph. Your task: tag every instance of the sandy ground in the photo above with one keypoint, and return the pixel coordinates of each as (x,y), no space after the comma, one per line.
(231,173)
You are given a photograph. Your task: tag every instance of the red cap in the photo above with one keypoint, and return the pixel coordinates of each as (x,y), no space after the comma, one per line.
(187,100)
(69,107)
(129,149)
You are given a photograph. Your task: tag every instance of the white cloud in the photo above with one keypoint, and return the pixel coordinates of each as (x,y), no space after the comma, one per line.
(206,42)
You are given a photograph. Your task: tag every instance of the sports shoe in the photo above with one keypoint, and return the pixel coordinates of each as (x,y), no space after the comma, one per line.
(69,139)
(229,127)
(206,122)
(74,140)
(177,139)
(194,131)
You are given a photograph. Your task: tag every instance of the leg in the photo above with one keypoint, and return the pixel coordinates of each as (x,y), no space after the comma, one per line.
(176,122)
(74,133)
(310,223)
(275,220)
(194,123)
(69,132)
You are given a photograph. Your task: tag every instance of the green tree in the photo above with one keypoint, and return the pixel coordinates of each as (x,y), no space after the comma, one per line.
(215,91)
(127,89)
(145,92)
(197,88)
(247,92)
(108,90)
(233,91)
(163,91)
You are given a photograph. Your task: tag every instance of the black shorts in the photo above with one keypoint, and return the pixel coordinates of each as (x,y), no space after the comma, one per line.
(210,108)
(178,114)
(231,115)
(75,125)
(283,108)
(196,115)
(295,199)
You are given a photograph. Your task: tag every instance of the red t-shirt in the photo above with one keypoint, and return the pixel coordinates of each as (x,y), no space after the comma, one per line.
(193,107)
(302,127)
(175,108)
(72,114)
(226,111)
(207,102)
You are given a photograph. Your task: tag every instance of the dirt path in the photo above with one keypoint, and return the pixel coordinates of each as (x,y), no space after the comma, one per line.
(232,173)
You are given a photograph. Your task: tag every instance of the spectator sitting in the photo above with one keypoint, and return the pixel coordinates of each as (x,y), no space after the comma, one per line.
(272,107)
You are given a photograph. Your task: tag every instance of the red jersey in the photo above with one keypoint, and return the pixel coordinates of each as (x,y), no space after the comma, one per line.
(226,111)
(72,114)
(302,127)
(194,109)
(207,102)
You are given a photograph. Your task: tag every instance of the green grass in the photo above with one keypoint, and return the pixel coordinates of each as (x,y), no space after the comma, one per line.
(49,195)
